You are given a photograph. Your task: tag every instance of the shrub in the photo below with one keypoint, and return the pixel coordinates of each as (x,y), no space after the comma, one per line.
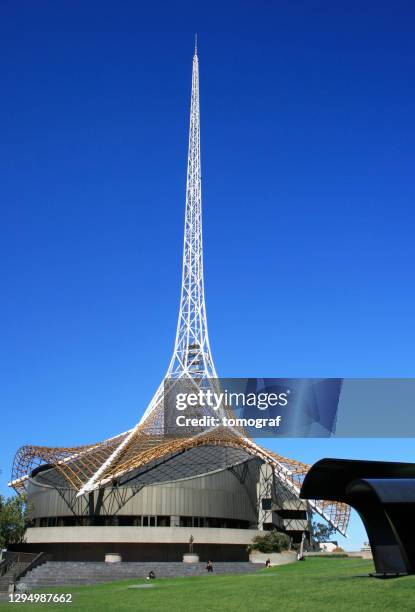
(270,542)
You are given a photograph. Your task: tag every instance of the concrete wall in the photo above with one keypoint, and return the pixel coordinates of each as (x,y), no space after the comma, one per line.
(138,543)
(202,535)
(275,558)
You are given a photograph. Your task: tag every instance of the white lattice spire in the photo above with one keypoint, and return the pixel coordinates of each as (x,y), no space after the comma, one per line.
(191,355)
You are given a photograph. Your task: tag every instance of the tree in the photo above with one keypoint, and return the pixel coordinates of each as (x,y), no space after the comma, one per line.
(13,518)
(322,532)
(271,541)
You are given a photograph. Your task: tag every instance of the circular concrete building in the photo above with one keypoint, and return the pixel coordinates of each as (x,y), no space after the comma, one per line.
(220,495)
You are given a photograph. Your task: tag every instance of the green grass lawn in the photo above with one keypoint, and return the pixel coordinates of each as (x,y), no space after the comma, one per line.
(315,585)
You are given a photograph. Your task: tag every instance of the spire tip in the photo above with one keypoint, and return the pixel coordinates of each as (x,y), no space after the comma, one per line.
(196,44)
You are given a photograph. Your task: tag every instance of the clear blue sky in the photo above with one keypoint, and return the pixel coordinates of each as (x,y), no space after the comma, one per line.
(308,147)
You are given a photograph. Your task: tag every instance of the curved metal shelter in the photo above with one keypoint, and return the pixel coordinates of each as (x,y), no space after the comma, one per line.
(383,493)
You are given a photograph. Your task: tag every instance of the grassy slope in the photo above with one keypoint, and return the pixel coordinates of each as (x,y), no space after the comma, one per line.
(315,585)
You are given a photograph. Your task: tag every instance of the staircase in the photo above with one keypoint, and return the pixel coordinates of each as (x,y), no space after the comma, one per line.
(15,565)
(68,573)
(8,577)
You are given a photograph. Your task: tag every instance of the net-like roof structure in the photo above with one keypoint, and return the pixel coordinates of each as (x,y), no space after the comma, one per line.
(137,456)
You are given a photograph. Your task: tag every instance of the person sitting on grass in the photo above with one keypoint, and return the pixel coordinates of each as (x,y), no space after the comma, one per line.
(268,563)
(151,575)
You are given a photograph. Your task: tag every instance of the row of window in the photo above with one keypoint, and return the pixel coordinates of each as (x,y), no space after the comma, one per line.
(102,521)
(139,521)
(202,521)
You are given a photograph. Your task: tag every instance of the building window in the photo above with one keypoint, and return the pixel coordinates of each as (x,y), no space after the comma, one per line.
(149,521)
(266,503)
(293,514)
(213,522)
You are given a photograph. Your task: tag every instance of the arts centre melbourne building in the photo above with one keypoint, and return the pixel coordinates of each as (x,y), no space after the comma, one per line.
(142,494)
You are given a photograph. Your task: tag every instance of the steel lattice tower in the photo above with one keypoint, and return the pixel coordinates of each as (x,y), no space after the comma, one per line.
(192,354)
(192,351)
